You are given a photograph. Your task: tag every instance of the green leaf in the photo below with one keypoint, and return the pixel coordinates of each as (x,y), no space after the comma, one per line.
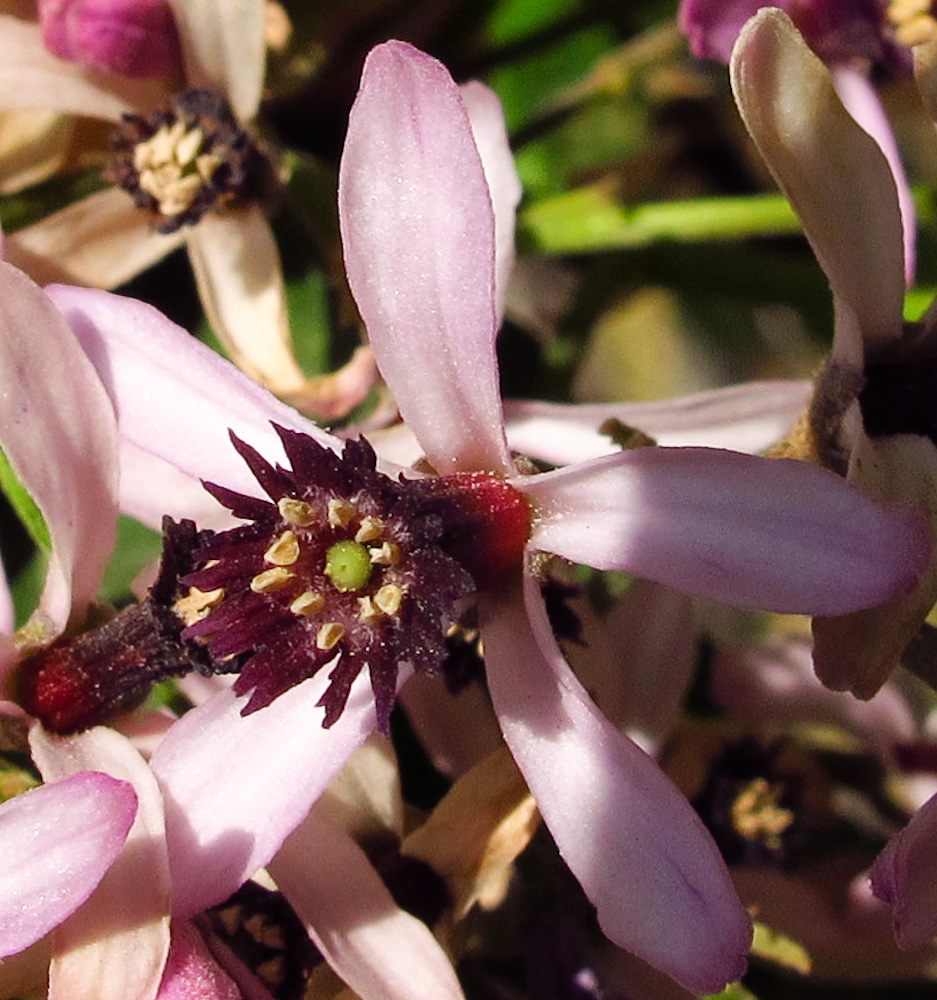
(137,546)
(734,991)
(24,505)
(591,219)
(777,947)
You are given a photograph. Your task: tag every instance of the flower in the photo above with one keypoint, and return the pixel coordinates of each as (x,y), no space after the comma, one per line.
(852,37)
(419,243)
(87,852)
(71,843)
(867,419)
(186,144)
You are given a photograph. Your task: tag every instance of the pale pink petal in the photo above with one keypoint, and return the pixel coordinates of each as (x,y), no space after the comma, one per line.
(489,130)
(834,174)
(57,429)
(151,487)
(456,730)
(128,913)
(235,786)
(861,100)
(634,843)
(364,798)
(418,234)
(749,417)
(905,877)
(224,48)
(240,281)
(101,241)
(776,680)
(637,661)
(175,397)
(31,77)
(58,841)
(378,949)
(774,534)
(191,972)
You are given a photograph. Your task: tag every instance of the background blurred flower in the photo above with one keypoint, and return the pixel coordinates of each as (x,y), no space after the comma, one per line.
(105,239)
(865,423)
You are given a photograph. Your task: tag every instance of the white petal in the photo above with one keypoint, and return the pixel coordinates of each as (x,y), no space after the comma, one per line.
(101,241)
(224,48)
(832,171)
(379,950)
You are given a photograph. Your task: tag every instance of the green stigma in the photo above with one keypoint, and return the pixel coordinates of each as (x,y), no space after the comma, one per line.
(348,564)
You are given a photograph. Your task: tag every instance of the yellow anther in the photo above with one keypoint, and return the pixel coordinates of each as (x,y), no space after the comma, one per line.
(273,971)
(388,598)
(368,612)
(758,815)
(188,146)
(371,528)
(387,555)
(308,603)
(341,512)
(296,512)
(167,164)
(271,579)
(197,603)
(913,20)
(329,635)
(284,551)
(207,164)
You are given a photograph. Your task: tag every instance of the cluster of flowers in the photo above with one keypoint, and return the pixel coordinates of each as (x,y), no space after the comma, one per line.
(309,579)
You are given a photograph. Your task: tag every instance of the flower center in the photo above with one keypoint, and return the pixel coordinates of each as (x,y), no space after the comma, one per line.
(342,567)
(182,162)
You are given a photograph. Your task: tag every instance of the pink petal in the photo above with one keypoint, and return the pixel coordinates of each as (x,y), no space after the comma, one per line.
(834,174)
(224,48)
(767,533)
(905,877)
(191,972)
(175,397)
(749,418)
(57,429)
(489,131)
(379,950)
(128,913)
(712,26)
(638,849)
(418,233)
(131,37)
(235,786)
(58,841)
